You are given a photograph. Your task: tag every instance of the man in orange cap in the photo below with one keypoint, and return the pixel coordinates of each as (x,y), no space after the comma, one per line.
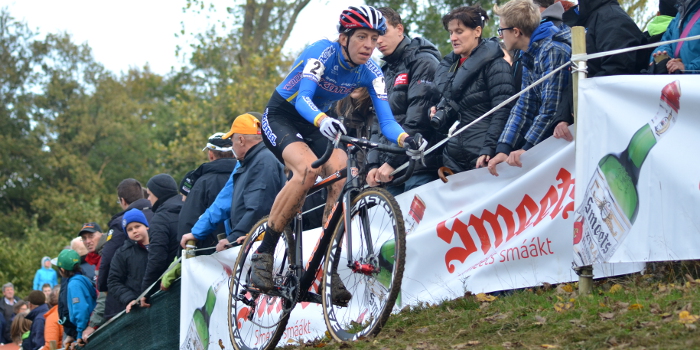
(256,181)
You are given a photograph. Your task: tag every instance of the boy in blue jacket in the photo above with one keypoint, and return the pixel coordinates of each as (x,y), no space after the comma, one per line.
(80,294)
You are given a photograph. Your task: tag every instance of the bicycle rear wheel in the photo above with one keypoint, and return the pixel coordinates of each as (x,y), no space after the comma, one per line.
(255,320)
(374,270)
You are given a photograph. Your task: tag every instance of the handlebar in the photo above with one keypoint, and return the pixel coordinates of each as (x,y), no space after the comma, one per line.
(369,144)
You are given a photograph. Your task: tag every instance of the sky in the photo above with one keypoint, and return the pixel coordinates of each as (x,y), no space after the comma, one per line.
(132,33)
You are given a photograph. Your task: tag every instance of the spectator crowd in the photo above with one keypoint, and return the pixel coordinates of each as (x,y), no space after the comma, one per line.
(107,271)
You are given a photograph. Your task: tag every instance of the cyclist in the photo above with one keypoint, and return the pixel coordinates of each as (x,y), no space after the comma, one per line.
(294,124)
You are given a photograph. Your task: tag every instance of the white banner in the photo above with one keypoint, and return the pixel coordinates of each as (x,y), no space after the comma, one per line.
(640,176)
(477,233)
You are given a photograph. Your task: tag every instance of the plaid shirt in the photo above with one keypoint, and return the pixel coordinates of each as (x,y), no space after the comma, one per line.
(536,108)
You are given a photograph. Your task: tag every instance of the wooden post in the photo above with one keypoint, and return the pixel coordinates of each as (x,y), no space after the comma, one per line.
(189,248)
(578,37)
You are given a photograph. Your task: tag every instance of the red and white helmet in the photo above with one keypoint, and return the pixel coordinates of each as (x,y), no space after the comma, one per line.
(362,17)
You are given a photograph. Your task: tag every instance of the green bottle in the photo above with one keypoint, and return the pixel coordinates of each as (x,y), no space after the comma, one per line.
(611,202)
(198,333)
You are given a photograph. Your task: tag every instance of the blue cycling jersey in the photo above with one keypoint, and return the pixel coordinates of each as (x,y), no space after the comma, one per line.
(321,76)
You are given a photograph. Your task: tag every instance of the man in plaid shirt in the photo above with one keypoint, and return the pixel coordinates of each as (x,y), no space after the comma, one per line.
(545,47)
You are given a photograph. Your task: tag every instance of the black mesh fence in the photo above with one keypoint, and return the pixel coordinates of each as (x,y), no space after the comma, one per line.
(157,327)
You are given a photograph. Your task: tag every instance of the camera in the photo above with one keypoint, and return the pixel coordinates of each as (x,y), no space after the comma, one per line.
(444,111)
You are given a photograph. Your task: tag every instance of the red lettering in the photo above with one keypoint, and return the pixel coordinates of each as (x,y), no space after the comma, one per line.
(456,253)
(492,219)
(566,182)
(547,203)
(525,206)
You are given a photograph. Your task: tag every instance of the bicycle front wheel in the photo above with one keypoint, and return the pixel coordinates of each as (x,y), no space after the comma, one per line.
(256,320)
(371,269)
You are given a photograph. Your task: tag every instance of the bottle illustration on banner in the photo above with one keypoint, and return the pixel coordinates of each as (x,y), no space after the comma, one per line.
(198,332)
(611,201)
(388,249)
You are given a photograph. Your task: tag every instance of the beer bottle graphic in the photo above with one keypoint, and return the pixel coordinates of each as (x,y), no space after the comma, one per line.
(611,201)
(198,333)
(388,249)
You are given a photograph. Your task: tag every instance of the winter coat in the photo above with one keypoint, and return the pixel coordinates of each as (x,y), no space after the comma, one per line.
(258,180)
(690,51)
(45,275)
(483,81)
(126,276)
(76,300)
(7,311)
(36,335)
(211,178)
(52,330)
(163,242)
(408,73)
(608,27)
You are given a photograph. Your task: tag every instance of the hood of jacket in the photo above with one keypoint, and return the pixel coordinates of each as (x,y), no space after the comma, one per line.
(43,260)
(409,48)
(543,31)
(38,311)
(685,8)
(578,15)
(52,310)
(554,12)
(219,166)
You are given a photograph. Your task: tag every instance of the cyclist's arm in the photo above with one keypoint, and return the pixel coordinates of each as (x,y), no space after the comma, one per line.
(390,128)
(313,70)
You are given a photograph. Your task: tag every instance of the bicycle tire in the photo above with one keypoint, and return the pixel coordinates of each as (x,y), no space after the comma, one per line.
(267,325)
(373,300)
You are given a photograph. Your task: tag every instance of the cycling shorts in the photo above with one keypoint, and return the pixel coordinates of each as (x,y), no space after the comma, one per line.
(283,125)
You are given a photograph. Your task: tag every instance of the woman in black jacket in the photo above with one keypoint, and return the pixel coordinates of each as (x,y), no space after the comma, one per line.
(472,79)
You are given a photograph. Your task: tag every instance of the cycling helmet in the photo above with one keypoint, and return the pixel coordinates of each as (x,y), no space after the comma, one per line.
(361,17)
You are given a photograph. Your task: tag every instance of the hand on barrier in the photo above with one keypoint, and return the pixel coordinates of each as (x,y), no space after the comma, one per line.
(499,158)
(483,161)
(186,237)
(331,127)
(561,131)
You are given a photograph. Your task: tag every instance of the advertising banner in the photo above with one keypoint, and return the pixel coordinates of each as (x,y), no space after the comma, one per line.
(640,178)
(476,233)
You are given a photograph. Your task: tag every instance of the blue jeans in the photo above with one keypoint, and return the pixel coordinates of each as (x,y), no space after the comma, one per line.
(413,182)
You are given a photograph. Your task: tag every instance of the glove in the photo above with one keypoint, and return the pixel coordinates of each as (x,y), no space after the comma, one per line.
(415,145)
(330,127)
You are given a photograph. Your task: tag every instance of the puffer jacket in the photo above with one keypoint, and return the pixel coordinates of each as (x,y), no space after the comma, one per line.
(125,276)
(163,242)
(483,81)
(408,73)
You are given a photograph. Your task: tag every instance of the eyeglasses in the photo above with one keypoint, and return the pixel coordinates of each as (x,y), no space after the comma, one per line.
(500,30)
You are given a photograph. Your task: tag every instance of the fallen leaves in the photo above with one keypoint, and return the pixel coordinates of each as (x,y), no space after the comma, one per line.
(561,307)
(685,317)
(496,317)
(548,346)
(635,307)
(485,298)
(606,315)
(540,320)
(616,288)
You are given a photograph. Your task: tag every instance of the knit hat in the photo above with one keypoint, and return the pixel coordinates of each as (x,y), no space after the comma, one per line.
(36,297)
(67,259)
(162,186)
(246,124)
(133,215)
(187,183)
(668,8)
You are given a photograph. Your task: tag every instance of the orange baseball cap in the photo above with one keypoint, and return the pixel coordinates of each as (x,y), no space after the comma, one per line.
(246,124)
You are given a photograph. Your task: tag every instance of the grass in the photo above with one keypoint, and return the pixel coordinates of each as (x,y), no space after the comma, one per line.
(652,311)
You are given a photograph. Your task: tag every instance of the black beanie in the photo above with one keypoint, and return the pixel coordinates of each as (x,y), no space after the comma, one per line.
(668,8)
(162,186)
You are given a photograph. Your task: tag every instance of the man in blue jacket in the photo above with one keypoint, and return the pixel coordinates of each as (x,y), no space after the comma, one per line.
(77,300)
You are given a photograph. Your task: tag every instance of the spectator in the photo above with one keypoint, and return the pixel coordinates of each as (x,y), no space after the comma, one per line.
(186,184)
(472,79)
(545,47)
(20,307)
(19,330)
(78,245)
(53,330)
(8,302)
(257,180)
(408,72)
(130,196)
(45,274)
(356,112)
(209,179)
(93,239)
(46,289)
(129,264)
(76,299)
(167,203)
(659,24)
(37,309)
(608,27)
(683,57)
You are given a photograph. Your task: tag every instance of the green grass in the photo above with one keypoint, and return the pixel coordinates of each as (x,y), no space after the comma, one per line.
(633,312)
